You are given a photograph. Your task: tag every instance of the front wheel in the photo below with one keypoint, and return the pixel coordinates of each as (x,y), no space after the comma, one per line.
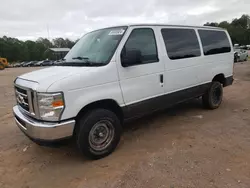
(98,133)
(213,97)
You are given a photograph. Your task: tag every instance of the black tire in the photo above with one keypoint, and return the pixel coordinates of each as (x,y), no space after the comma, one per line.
(84,133)
(1,66)
(213,98)
(238,59)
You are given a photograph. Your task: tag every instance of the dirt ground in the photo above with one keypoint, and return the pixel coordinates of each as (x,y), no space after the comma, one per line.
(185,146)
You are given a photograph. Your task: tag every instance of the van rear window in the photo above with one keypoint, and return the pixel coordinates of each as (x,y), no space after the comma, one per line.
(214,42)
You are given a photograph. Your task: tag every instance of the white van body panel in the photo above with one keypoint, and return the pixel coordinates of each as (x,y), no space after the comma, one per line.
(216,64)
(95,84)
(48,76)
(139,82)
(27,83)
(190,72)
(129,85)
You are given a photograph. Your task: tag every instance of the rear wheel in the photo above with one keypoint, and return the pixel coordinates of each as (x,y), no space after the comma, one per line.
(213,98)
(1,66)
(98,133)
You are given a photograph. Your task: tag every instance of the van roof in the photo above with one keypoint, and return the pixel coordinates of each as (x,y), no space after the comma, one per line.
(169,25)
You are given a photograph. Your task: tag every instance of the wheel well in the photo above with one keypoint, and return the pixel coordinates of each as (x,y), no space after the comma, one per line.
(220,78)
(108,104)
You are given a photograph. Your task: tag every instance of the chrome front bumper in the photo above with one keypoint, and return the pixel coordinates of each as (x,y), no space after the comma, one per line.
(39,130)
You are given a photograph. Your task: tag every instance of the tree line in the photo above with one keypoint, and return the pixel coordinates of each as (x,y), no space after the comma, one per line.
(17,50)
(238,28)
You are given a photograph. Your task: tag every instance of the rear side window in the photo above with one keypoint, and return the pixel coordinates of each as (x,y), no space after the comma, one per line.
(214,42)
(181,43)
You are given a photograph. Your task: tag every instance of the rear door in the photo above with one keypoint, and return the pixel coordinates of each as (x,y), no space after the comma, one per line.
(182,59)
(141,83)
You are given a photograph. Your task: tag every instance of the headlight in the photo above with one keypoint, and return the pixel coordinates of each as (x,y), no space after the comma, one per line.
(50,106)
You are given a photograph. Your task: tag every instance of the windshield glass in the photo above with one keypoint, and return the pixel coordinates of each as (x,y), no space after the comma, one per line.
(96,48)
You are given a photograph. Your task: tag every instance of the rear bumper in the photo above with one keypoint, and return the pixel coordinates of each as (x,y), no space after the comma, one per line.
(229,81)
(43,131)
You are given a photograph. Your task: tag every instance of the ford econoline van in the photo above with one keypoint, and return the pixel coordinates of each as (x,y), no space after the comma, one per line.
(121,73)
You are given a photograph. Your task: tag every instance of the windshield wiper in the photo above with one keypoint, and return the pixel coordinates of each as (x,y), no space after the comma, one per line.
(83,64)
(94,64)
(80,58)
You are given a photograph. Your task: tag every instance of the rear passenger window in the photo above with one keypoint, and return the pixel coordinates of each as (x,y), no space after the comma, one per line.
(214,42)
(181,43)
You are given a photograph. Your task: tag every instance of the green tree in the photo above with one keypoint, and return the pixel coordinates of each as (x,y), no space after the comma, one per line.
(59,43)
(45,42)
(69,43)
(212,24)
(17,50)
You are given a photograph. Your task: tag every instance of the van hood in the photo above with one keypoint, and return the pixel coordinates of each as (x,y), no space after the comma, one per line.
(48,76)
(52,73)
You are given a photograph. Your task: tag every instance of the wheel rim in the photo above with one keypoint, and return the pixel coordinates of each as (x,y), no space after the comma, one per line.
(101,135)
(217,93)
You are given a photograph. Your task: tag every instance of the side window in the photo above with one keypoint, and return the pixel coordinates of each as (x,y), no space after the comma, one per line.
(181,43)
(141,42)
(214,42)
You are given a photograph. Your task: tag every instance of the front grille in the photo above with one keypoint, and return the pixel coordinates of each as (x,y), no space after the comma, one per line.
(22,98)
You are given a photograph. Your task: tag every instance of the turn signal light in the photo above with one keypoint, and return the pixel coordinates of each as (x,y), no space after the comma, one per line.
(57,103)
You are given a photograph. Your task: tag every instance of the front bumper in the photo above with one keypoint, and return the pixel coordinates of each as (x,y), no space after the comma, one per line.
(44,131)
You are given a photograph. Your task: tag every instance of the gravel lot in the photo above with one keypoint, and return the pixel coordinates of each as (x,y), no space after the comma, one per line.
(185,146)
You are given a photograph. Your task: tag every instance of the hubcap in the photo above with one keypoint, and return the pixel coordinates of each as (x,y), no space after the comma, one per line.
(101,135)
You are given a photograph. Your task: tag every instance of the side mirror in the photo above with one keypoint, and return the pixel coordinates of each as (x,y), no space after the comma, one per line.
(131,57)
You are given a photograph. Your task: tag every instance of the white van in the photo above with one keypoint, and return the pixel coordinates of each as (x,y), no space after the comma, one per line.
(120,73)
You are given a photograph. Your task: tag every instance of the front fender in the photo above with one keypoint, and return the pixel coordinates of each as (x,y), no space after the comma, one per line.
(77,99)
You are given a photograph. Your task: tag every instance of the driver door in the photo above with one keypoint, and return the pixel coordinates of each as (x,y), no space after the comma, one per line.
(141,82)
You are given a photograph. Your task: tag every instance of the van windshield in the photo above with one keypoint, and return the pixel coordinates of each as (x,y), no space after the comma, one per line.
(95,48)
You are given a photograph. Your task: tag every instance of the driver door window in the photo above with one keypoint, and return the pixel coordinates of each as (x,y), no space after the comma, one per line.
(143,41)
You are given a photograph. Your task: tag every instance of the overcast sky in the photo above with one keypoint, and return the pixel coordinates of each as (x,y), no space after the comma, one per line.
(29,19)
